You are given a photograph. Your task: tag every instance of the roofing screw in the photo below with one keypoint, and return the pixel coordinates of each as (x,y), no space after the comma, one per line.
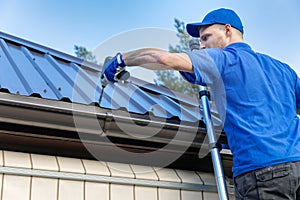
(45,91)
(33,59)
(59,89)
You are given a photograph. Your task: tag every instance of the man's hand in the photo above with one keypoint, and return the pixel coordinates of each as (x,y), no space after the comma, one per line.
(116,64)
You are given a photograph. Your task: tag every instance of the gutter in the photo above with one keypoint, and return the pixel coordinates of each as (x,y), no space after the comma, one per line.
(44,113)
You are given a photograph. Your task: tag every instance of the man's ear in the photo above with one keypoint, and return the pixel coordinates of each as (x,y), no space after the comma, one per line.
(228,29)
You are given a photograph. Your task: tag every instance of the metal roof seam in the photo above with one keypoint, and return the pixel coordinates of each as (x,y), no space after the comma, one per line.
(91,84)
(48,82)
(76,88)
(15,67)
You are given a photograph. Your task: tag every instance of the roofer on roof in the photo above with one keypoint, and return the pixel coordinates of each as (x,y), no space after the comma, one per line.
(256,95)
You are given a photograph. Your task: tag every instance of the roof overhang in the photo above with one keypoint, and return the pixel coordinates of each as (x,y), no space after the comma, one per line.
(36,125)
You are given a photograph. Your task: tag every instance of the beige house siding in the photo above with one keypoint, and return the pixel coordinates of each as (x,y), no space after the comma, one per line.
(27,176)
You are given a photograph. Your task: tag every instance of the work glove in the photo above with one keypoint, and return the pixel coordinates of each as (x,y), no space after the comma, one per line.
(114,69)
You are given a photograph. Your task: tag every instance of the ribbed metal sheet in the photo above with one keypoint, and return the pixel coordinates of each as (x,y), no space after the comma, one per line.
(33,70)
(138,100)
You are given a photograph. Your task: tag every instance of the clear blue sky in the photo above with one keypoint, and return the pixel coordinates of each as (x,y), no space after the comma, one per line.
(271,26)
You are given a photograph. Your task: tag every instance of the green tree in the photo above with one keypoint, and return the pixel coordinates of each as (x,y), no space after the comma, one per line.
(171,79)
(184,38)
(83,53)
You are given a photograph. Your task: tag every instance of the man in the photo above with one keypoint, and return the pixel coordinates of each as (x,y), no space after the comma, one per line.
(256,96)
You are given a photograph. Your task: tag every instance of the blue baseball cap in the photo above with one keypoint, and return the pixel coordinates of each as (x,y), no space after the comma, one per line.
(219,16)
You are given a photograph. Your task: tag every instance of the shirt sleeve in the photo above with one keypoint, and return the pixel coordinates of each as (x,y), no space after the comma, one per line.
(204,66)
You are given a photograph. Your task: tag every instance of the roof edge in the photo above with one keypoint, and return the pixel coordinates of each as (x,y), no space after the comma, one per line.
(53,52)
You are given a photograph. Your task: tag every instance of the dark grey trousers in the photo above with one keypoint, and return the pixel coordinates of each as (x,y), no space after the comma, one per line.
(276,182)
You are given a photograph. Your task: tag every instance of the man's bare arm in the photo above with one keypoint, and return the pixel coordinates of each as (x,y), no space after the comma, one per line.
(157,59)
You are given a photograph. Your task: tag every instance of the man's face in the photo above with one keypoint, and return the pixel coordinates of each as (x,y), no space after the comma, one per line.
(213,36)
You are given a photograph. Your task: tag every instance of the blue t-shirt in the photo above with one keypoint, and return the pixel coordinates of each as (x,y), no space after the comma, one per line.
(256,97)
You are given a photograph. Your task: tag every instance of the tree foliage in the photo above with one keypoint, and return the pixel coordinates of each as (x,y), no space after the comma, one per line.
(171,79)
(174,81)
(183,36)
(83,53)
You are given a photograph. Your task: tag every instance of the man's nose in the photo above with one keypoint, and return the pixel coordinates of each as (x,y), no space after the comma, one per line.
(202,46)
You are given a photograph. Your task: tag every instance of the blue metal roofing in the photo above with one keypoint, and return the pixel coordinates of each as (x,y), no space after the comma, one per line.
(30,69)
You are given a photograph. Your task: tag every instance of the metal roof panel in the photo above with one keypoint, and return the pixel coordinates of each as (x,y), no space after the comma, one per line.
(33,70)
